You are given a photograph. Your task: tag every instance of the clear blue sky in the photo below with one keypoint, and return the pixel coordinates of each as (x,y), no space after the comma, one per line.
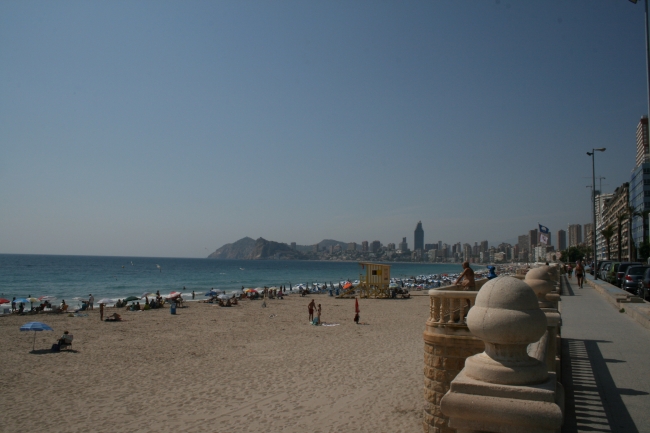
(160,128)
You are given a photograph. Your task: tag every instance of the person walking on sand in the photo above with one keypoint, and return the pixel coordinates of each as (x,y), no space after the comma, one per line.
(310,308)
(580,273)
(91,301)
(193,294)
(101,312)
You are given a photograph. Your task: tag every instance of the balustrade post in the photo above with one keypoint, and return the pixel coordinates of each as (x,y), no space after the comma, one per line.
(503,389)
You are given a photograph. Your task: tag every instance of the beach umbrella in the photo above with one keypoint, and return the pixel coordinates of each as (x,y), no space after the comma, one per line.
(4,301)
(32,299)
(21,301)
(356,305)
(145,294)
(224,297)
(173,295)
(46,298)
(35,326)
(106,301)
(131,298)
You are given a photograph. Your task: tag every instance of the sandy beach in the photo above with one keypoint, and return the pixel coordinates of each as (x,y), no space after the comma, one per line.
(213,369)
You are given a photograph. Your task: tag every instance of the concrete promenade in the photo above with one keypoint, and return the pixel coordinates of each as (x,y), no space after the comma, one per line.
(605,365)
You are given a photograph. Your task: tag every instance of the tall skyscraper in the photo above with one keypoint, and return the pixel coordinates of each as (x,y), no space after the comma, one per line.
(561,240)
(575,235)
(364,246)
(403,245)
(418,242)
(484,246)
(533,235)
(375,246)
(642,141)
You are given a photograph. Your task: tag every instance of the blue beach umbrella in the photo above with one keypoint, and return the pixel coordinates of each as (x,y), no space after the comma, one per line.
(35,326)
(21,301)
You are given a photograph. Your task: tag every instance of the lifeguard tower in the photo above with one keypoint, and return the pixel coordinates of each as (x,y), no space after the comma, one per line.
(374,284)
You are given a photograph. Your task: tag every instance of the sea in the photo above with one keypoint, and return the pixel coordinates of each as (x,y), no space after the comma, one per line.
(75,277)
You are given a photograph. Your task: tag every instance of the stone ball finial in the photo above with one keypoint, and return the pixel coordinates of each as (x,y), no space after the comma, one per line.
(541,281)
(507,318)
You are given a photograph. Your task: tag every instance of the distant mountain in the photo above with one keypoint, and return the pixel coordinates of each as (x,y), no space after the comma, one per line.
(240,250)
(268,249)
(322,245)
(260,249)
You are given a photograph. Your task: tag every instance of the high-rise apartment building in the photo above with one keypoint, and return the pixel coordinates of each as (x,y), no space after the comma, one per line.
(375,246)
(523,242)
(429,247)
(639,188)
(561,240)
(364,246)
(403,245)
(352,246)
(418,235)
(642,151)
(588,232)
(293,246)
(484,246)
(575,235)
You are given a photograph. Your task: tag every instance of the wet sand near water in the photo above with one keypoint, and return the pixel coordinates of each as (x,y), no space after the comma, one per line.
(213,369)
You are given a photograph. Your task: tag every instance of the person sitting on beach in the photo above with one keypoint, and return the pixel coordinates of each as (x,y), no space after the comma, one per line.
(65,339)
(467,277)
(146,306)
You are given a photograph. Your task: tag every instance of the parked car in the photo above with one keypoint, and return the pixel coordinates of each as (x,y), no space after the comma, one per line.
(644,287)
(602,268)
(611,273)
(620,272)
(633,275)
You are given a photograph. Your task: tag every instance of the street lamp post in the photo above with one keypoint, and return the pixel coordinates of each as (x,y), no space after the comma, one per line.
(593,202)
(647,46)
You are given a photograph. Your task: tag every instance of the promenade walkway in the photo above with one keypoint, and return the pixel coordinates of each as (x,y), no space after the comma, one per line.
(607,373)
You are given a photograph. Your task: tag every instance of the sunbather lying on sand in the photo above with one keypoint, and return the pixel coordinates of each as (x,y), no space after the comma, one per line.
(114,318)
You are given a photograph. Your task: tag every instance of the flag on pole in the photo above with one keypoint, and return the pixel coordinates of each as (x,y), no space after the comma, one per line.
(543,239)
(543,229)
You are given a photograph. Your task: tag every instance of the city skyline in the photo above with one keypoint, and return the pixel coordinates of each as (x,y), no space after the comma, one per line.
(169,129)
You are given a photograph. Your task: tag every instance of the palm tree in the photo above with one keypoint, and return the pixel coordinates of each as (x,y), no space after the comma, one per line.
(622,216)
(632,213)
(607,233)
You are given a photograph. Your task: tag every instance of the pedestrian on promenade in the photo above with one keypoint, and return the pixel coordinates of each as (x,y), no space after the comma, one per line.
(580,273)
(570,271)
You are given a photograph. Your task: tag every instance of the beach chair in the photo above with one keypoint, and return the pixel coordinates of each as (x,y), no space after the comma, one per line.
(67,343)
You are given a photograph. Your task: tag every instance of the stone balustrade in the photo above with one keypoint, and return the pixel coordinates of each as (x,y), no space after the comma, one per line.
(449,307)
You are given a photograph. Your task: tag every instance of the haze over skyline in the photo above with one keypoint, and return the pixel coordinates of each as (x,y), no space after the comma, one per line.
(172,128)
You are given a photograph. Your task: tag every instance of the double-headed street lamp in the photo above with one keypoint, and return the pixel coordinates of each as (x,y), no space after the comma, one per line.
(593,201)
